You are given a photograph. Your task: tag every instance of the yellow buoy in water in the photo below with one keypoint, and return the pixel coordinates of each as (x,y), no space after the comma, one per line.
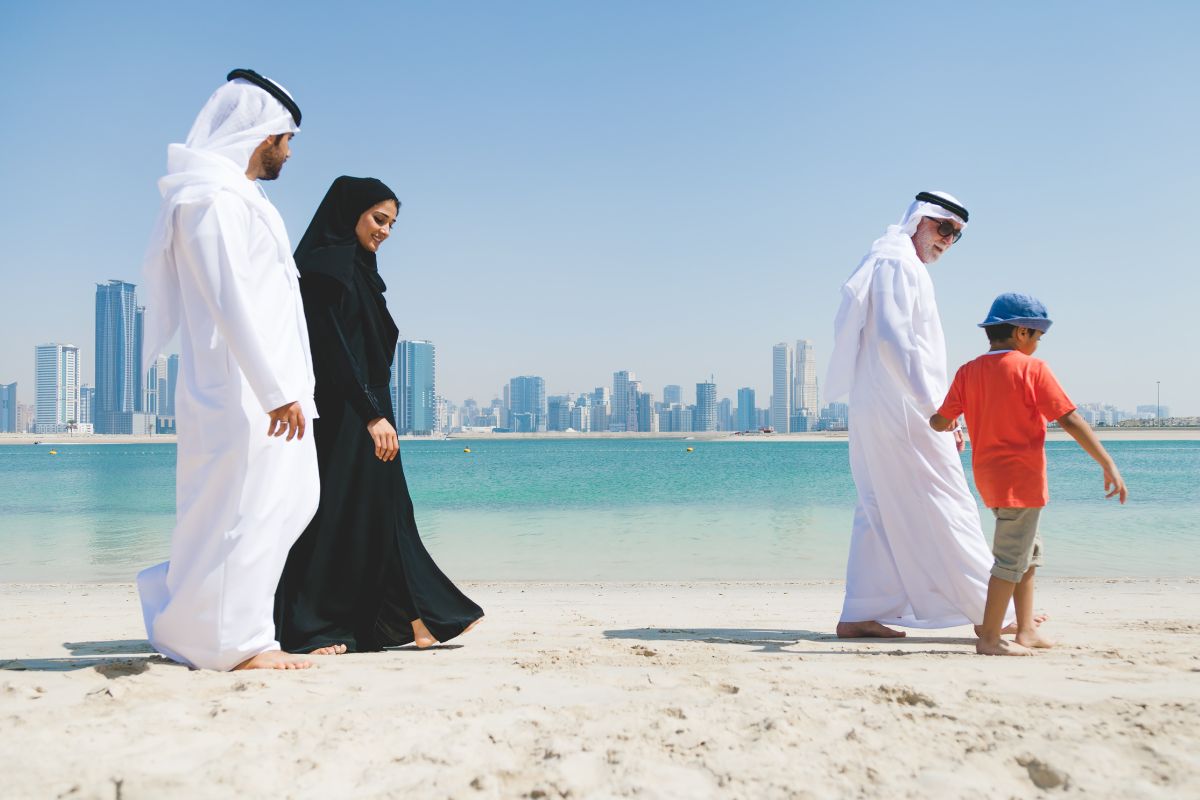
(466,449)
(690,449)
(53,452)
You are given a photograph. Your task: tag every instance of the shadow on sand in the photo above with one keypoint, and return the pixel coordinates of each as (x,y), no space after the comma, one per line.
(114,658)
(786,641)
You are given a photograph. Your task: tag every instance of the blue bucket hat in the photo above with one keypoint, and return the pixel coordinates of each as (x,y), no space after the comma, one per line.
(1022,310)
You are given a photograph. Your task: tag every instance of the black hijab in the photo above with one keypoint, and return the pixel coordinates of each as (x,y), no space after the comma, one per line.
(330,246)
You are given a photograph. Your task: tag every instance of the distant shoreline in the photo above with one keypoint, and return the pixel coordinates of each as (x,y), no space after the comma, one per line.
(1105,434)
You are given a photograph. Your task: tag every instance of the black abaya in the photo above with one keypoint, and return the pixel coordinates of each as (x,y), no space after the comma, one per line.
(359,574)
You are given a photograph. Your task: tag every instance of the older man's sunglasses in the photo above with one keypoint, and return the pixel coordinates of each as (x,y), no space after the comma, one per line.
(946,228)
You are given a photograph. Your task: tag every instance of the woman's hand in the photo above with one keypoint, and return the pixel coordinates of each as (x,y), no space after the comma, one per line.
(384,436)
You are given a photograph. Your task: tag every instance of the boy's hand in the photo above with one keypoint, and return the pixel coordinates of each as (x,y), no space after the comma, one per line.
(941,424)
(1114,484)
(959,442)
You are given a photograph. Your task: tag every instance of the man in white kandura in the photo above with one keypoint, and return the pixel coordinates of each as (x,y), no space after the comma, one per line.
(918,557)
(219,270)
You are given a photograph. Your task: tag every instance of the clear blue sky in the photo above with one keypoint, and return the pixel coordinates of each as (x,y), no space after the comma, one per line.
(669,188)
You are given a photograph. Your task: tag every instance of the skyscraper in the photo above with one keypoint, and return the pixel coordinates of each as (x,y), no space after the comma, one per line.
(413,387)
(527,395)
(632,389)
(56,380)
(672,394)
(804,387)
(8,407)
(647,417)
(87,404)
(705,417)
(781,387)
(618,418)
(118,357)
(746,418)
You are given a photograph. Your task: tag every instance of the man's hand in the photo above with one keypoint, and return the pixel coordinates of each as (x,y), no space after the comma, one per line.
(384,436)
(287,419)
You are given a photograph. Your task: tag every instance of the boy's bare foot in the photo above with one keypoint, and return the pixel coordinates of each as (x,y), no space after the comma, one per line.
(275,659)
(1034,638)
(422,638)
(1038,619)
(1001,647)
(867,630)
(329,650)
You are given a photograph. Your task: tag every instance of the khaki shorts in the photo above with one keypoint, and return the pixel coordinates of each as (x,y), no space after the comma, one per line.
(1018,544)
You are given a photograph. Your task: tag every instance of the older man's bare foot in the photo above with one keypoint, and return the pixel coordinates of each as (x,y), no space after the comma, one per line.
(421,636)
(1001,647)
(867,630)
(1034,638)
(275,659)
(329,650)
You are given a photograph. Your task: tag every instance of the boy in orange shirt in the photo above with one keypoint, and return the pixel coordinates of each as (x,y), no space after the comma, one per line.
(1007,397)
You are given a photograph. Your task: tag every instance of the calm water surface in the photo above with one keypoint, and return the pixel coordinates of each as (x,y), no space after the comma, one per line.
(601,510)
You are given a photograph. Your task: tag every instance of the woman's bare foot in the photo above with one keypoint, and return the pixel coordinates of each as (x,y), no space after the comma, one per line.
(472,625)
(421,636)
(275,659)
(1038,619)
(1001,647)
(1034,638)
(329,650)
(867,630)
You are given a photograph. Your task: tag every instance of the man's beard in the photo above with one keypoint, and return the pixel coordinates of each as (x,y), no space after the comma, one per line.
(272,164)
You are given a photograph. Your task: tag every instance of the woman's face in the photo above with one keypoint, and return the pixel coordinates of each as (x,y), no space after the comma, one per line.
(375,225)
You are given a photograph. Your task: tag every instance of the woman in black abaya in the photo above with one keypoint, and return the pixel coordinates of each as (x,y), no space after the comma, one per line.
(359,578)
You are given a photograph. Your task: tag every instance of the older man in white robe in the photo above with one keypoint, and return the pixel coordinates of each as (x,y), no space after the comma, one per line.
(219,271)
(918,557)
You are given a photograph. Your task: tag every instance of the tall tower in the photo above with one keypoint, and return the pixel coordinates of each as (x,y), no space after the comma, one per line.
(413,386)
(746,419)
(618,418)
(705,418)
(804,390)
(528,397)
(118,357)
(781,387)
(8,408)
(56,371)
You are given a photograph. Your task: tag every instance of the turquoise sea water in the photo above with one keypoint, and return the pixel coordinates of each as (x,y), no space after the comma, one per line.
(602,510)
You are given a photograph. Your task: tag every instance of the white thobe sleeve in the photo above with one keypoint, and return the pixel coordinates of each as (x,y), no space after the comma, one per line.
(217,265)
(895,293)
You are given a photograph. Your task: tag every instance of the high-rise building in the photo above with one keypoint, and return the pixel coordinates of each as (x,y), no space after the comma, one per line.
(672,394)
(746,418)
(558,412)
(168,407)
(646,415)
(618,418)
(527,395)
(632,389)
(705,418)
(413,387)
(87,404)
(581,417)
(804,387)
(26,417)
(781,387)
(8,407)
(118,358)
(725,415)
(56,381)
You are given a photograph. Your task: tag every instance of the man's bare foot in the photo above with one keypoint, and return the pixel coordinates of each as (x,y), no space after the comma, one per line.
(1034,638)
(1001,647)
(867,630)
(275,659)
(329,650)
(1038,619)
(421,636)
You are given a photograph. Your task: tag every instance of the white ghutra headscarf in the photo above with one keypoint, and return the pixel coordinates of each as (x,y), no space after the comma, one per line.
(233,123)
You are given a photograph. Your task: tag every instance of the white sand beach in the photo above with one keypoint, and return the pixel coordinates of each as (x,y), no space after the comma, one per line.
(617,690)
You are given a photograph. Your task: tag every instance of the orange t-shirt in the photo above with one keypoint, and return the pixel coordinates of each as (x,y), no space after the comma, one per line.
(1007,397)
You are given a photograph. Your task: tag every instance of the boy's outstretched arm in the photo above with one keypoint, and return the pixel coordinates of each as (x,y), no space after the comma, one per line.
(1081,432)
